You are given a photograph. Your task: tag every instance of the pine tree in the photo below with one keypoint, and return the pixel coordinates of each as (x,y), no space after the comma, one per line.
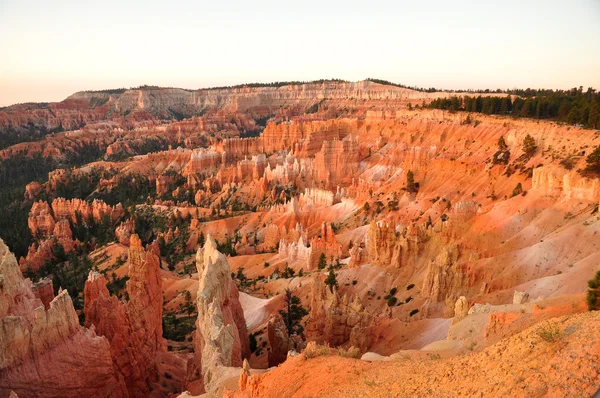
(529,146)
(322,261)
(593,294)
(331,280)
(293,313)
(593,161)
(411,186)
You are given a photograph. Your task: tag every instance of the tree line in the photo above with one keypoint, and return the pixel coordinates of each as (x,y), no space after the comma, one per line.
(573,106)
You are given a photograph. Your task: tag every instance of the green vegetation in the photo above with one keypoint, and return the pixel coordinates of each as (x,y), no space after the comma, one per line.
(593,162)
(68,271)
(12,135)
(322,261)
(549,332)
(411,185)
(276,84)
(331,280)
(15,173)
(529,146)
(293,313)
(593,293)
(502,156)
(253,342)
(568,106)
(177,327)
(517,191)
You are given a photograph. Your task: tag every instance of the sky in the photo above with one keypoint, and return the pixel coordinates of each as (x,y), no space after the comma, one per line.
(51,49)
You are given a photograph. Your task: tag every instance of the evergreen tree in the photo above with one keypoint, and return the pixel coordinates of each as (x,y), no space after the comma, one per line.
(529,146)
(593,294)
(593,161)
(502,143)
(331,280)
(293,313)
(411,186)
(322,261)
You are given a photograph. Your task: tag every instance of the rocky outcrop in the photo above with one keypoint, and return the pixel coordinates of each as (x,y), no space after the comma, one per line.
(64,209)
(46,353)
(324,243)
(40,221)
(221,339)
(32,190)
(44,290)
(520,297)
(356,256)
(244,374)
(461,309)
(337,320)
(124,231)
(444,276)
(134,328)
(279,340)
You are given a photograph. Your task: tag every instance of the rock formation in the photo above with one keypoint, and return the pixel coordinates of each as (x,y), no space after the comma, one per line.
(124,231)
(337,320)
(520,297)
(279,340)
(46,353)
(221,339)
(461,309)
(444,277)
(134,328)
(325,243)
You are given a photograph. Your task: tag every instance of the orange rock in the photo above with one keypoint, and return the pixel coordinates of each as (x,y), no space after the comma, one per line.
(134,328)
(43,348)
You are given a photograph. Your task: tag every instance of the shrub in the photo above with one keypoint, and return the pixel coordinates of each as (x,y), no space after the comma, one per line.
(391,301)
(410,286)
(315,350)
(549,332)
(351,352)
(413,312)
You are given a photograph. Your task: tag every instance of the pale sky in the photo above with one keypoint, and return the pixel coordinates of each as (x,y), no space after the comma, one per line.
(50,49)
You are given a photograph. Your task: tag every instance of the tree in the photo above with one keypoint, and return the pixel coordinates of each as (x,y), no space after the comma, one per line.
(518,190)
(502,156)
(594,116)
(593,161)
(411,186)
(502,143)
(529,146)
(331,280)
(189,305)
(322,261)
(293,313)
(593,294)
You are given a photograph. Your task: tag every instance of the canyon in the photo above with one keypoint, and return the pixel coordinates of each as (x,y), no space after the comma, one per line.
(317,239)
